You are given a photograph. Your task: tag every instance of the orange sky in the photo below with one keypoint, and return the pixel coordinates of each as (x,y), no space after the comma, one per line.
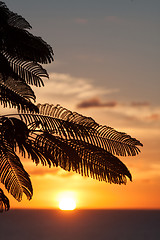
(107,67)
(143,192)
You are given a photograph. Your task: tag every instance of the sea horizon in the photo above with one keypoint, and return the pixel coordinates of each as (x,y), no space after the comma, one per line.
(86,224)
(94,209)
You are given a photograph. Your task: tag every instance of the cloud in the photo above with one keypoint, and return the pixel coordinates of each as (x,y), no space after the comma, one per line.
(141,111)
(81,20)
(66,174)
(90,57)
(140,104)
(83,93)
(135,112)
(114,19)
(152,170)
(54,171)
(96,102)
(153,117)
(41,171)
(69,87)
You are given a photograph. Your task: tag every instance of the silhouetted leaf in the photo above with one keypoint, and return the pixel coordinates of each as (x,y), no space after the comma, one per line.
(18,21)
(22,44)
(12,173)
(71,125)
(78,156)
(27,71)
(11,18)
(15,93)
(18,42)
(15,132)
(70,154)
(4,202)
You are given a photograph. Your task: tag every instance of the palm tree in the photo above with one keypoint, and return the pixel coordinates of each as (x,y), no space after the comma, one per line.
(48,134)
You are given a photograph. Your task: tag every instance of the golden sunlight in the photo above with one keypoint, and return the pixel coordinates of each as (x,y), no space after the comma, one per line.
(67,201)
(67,204)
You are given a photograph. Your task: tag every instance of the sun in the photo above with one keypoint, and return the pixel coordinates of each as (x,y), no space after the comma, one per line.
(67,200)
(67,203)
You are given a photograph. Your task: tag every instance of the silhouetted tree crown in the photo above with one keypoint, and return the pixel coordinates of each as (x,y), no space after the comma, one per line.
(47,134)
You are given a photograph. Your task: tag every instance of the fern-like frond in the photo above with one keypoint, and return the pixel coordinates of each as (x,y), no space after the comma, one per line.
(19,87)
(22,44)
(3,14)
(11,18)
(70,125)
(12,173)
(18,21)
(15,93)
(18,42)
(2,5)
(4,202)
(15,132)
(77,156)
(69,154)
(30,72)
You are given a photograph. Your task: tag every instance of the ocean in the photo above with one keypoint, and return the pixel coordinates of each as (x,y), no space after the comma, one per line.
(80,225)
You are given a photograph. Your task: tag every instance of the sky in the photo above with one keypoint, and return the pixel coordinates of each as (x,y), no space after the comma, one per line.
(107,66)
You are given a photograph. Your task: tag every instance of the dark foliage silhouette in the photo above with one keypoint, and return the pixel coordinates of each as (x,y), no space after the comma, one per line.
(48,134)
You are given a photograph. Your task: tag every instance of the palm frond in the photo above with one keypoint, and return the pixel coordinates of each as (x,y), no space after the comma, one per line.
(15,93)
(17,41)
(69,154)
(30,72)
(71,125)
(18,21)
(5,68)
(14,131)
(78,156)
(3,14)
(11,18)
(12,173)
(2,5)
(22,44)
(4,202)
(19,87)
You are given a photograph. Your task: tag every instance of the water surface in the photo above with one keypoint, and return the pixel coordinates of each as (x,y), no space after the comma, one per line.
(80,225)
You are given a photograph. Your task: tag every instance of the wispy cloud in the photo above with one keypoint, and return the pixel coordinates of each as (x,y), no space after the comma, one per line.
(81,20)
(152,169)
(140,104)
(41,171)
(140,112)
(96,102)
(54,171)
(114,19)
(67,86)
(134,111)
(153,117)
(82,93)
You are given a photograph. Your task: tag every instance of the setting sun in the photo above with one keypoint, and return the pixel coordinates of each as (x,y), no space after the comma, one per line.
(67,200)
(67,203)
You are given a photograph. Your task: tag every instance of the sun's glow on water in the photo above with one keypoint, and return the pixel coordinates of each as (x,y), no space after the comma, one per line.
(67,201)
